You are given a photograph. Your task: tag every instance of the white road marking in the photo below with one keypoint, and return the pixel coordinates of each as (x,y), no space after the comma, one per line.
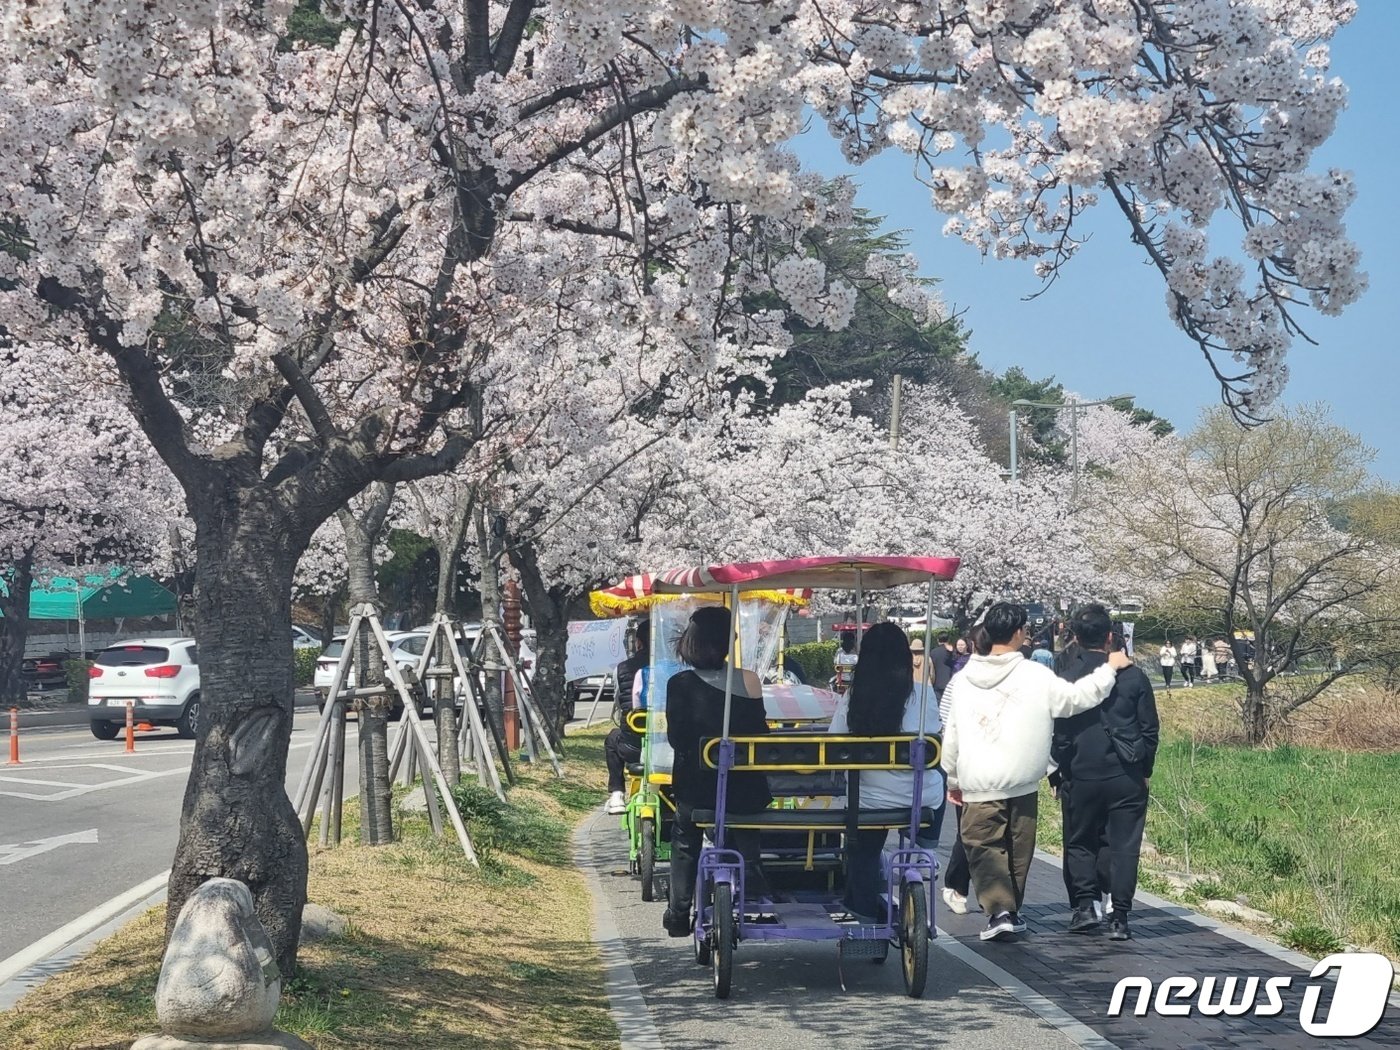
(1068,1025)
(129,776)
(70,932)
(13,854)
(41,783)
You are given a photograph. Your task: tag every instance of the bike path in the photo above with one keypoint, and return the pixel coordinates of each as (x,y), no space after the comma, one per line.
(787,995)
(1047,988)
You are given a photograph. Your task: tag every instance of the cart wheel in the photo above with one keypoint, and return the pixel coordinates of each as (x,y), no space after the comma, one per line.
(723,961)
(913,927)
(648,854)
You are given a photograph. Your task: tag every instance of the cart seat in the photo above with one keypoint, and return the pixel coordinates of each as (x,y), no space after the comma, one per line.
(814,819)
(636,769)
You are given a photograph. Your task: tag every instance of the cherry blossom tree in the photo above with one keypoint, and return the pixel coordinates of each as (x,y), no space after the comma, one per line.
(290,256)
(79,489)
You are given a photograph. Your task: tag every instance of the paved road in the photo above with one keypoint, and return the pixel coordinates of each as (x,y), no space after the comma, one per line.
(81,821)
(787,996)
(1048,989)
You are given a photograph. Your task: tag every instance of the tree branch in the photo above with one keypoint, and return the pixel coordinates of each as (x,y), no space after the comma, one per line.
(512,32)
(642,102)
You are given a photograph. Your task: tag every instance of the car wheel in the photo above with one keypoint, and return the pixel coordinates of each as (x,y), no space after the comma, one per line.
(105,730)
(188,724)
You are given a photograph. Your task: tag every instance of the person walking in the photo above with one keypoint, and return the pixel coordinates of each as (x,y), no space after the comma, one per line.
(957,877)
(1187,656)
(1223,656)
(961,652)
(621,745)
(1208,668)
(996,748)
(941,663)
(1166,659)
(1105,757)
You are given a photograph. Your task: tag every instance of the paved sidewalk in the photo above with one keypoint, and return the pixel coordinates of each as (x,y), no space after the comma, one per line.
(1078,974)
(1046,989)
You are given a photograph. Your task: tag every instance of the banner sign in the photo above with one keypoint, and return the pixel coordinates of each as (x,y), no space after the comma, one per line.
(595,647)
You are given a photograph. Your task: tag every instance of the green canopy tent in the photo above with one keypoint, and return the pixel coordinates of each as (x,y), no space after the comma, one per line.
(110,596)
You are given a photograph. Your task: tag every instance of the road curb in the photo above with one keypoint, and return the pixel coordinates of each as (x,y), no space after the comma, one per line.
(49,956)
(625,1000)
(77,714)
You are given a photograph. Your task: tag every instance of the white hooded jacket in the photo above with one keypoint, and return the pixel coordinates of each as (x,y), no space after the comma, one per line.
(1001,716)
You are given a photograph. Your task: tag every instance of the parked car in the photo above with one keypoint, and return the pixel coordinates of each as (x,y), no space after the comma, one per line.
(305,637)
(158,676)
(40,672)
(407,647)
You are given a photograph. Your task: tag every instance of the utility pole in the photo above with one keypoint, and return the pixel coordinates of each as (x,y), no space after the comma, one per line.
(894,410)
(1073,407)
(1014,474)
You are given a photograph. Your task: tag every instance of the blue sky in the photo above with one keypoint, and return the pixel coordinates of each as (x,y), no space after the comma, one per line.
(1102,329)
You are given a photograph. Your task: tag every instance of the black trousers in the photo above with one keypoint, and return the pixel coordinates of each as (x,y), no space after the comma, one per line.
(956,876)
(1113,810)
(619,748)
(686,840)
(1101,866)
(864,878)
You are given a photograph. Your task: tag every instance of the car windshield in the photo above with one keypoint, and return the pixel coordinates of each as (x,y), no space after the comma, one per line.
(334,649)
(132,656)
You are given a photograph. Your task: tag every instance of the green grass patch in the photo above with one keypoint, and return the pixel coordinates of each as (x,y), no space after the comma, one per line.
(438,955)
(1309,836)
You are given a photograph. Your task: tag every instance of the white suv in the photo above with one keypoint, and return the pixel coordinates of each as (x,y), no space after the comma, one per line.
(158,676)
(407,647)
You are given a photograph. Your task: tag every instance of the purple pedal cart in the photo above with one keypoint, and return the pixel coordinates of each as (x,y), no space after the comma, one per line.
(804,765)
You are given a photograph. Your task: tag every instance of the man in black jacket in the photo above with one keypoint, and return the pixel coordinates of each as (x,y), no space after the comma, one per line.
(1105,759)
(622,745)
(941,662)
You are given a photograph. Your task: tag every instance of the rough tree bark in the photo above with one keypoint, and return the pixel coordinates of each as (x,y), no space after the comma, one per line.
(14,628)
(237,821)
(549,615)
(361,534)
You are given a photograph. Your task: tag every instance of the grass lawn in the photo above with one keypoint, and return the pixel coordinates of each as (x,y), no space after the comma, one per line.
(1307,834)
(438,955)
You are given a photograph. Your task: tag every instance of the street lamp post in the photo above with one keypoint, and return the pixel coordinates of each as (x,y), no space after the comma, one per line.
(1074,407)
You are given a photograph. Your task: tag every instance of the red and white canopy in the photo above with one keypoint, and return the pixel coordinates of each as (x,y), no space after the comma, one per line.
(839,572)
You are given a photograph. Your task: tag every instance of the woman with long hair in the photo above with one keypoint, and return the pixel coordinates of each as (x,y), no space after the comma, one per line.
(885,700)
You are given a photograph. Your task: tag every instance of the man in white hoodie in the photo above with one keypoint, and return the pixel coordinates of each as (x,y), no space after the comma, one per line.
(996,747)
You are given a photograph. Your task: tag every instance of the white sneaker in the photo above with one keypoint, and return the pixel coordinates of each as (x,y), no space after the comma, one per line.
(617,803)
(957,903)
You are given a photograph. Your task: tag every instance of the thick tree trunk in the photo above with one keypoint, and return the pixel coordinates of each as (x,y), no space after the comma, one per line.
(237,821)
(14,629)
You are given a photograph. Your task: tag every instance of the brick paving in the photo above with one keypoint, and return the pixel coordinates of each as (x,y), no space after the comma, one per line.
(1077,972)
